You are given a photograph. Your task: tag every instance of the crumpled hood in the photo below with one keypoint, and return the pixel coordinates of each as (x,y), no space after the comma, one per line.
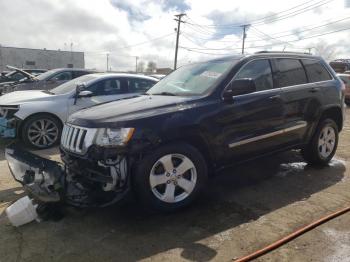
(129,109)
(18,97)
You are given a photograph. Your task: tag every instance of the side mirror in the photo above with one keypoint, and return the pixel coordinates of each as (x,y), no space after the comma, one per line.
(239,87)
(85,93)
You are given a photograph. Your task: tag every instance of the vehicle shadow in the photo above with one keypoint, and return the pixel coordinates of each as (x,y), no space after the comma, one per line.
(238,195)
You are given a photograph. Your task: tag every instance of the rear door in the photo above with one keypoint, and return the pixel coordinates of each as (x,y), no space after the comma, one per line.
(251,123)
(301,99)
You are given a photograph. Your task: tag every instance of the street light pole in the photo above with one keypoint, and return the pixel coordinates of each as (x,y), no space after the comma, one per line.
(136,57)
(107,56)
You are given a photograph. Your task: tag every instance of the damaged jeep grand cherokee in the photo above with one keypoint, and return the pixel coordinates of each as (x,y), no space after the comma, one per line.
(199,119)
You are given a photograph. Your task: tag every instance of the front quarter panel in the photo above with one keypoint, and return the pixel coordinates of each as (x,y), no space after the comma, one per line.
(57,107)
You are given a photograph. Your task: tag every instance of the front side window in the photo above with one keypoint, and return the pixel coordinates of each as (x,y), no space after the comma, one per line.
(260,72)
(290,72)
(107,87)
(316,71)
(71,86)
(194,79)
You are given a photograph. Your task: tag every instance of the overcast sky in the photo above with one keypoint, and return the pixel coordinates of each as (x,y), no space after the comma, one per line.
(98,27)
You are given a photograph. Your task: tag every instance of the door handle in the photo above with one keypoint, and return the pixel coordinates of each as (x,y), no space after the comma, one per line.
(314,90)
(274,97)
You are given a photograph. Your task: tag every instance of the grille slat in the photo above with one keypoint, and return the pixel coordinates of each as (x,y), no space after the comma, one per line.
(77,139)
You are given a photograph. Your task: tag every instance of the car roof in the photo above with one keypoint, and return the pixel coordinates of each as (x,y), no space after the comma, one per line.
(72,69)
(109,75)
(268,54)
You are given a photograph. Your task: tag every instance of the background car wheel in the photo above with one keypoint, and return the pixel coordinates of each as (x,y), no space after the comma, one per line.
(323,145)
(41,131)
(171,177)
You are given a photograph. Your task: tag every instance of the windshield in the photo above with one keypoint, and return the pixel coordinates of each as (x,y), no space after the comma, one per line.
(71,85)
(193,79)
(47,74)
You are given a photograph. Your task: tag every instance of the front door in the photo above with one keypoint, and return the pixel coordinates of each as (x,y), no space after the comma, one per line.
(251,124)
(103,91)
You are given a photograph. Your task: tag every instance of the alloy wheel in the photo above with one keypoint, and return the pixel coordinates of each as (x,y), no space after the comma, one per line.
(326,141)
(43,133)
(173,178)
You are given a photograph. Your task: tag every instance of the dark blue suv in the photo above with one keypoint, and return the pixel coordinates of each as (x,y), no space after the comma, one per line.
(197,120)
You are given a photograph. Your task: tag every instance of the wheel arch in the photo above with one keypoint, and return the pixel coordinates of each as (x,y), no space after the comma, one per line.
(335,113)
(19,130)
(199,143)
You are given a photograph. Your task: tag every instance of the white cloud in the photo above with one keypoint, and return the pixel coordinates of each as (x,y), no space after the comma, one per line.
(101,26)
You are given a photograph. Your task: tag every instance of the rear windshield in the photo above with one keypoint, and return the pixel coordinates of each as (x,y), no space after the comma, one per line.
(46,75)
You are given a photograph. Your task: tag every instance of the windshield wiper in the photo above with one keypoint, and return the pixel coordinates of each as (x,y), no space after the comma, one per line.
(164,94)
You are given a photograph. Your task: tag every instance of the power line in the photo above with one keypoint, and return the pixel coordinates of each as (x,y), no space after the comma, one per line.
(145,42)
(266,19)
(305,30)
(269,45)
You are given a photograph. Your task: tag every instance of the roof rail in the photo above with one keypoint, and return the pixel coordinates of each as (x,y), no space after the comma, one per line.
(287,52)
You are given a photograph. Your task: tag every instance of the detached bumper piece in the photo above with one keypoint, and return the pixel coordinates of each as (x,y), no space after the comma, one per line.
(7,127)
(41,178)
(48,181)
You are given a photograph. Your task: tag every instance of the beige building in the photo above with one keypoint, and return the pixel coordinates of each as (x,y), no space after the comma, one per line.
(39,58)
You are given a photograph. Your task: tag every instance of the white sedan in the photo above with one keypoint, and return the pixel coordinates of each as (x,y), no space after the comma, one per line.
(37,117)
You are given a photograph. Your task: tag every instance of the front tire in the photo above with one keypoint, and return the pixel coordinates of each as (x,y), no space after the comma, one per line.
(323,144)
(41,131)
(171,177)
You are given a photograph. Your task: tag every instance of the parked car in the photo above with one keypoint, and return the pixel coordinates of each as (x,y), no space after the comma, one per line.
(201,118)
(346,80)
(37,116)
(45,81)
(340,65)
(18,74)
(158,76)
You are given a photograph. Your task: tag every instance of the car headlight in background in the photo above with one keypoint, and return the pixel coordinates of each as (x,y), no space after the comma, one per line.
(113,136)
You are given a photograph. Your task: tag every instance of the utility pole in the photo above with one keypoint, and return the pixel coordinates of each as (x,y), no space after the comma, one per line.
(107,61)
(178,19)
(244,36)
(136,57)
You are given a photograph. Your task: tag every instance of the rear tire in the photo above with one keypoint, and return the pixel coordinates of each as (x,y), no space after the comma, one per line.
(41,131)
(171,177)
(323,144)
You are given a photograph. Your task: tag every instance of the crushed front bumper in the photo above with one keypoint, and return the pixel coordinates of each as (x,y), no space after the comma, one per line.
(8,127)
(48,181)
(41,178)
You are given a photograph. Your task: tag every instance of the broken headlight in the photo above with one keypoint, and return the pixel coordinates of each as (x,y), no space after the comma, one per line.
(113,136)
(8,111)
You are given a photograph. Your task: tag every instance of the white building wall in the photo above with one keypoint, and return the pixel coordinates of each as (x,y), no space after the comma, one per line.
(43,59)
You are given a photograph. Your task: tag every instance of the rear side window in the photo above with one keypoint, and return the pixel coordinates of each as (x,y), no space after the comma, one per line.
(316,71)
(290,72)
(260,72)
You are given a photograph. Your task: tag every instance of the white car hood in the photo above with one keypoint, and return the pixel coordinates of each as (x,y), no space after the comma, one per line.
(20,97)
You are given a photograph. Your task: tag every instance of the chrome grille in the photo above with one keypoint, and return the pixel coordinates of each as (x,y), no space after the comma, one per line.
(77,139)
